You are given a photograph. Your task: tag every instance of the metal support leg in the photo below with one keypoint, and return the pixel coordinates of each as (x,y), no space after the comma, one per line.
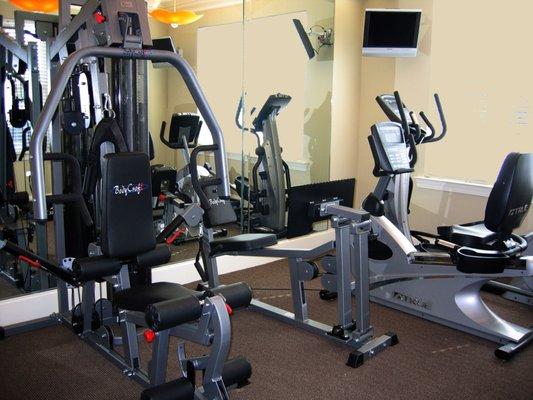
(212,382)
(129,330)
(157,369)
(210,263)
(359,264)
(344,299)
(130,343)
(299,301)
(87,304)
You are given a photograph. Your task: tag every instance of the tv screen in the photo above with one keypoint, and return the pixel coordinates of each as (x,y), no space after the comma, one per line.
(392,33)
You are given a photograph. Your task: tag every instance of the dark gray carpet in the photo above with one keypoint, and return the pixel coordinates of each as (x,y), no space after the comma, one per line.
(431,361)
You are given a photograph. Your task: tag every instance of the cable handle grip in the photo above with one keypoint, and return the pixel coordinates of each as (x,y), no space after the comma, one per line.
(407,133)
(76,196)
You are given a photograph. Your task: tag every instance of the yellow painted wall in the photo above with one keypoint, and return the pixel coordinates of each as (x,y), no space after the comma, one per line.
(311,148)
(185,37)
(482,67)
(474,56)
(346,89)
(318,85)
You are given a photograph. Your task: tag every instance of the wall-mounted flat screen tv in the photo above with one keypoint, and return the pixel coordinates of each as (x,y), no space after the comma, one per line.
(391,32)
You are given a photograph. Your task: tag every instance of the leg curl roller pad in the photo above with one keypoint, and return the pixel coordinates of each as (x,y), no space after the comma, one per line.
(236,295)
(170,313)
(236,371)
(179,389)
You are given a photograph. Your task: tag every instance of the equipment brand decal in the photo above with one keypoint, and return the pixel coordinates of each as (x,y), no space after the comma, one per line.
(412,300)
(518,210)
(216,202)
(130,189)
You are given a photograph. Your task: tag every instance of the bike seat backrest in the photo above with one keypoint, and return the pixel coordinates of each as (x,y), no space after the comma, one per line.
(127,228)
(184,126)
(220,211)
(511,195)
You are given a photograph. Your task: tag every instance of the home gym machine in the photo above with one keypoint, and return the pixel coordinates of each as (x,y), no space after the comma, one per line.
(351,252)
(266,198)
(120,208)
(445,287)
(397,204)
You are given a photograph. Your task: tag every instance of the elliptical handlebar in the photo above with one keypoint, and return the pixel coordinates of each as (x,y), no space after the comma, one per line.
(431,138)
(162,134)
(407,132)
(442,118)
(238,114)
(419,133)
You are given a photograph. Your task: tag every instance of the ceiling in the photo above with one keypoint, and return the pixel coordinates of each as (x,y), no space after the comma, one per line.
(194,5)
(197,5)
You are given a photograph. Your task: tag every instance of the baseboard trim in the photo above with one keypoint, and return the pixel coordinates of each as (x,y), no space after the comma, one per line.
(453,186)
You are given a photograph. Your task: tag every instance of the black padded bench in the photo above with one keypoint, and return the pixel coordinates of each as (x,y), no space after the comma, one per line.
(242,243)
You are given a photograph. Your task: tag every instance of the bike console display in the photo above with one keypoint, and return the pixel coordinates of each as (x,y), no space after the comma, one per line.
(388,104)
(391,153)
(183,127)
(274,103)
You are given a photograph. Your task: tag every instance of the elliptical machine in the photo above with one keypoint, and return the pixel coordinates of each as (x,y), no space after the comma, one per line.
(438,286)
(267,196)
(172,189)
(397,203)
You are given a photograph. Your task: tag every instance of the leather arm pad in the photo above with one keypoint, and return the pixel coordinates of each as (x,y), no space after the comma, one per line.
(92,268)
(153,258)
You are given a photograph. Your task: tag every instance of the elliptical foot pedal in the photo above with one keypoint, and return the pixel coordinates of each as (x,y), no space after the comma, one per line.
(237,371)
(179,389)
(509,350)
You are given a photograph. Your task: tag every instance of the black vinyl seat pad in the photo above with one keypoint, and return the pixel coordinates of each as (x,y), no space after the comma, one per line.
(243,243)
(472,234)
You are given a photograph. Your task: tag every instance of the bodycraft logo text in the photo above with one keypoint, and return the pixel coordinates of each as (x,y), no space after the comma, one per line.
(130,189)
(216,202)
